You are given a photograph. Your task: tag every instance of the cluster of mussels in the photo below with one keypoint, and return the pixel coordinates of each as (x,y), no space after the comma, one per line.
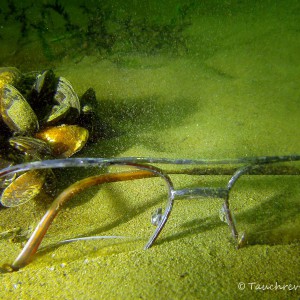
(41,117)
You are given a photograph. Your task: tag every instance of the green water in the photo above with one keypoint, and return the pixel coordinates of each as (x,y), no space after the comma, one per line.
(202,79)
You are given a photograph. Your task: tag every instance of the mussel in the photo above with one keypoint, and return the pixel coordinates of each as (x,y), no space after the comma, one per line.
(38,122)
(9,75)
(65,140)
(24,188)
(68,105)
(16,112)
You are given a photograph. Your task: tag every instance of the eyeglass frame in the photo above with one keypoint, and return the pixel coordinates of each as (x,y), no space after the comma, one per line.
(253,165)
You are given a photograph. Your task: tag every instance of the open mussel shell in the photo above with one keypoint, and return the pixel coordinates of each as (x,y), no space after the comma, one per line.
(31,146)
(9,75)
(44,83)
(68,105)
(24,188)
(65,140)
(42,92)
(16,112)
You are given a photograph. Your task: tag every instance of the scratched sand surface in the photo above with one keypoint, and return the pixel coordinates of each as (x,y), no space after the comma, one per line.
(235,94)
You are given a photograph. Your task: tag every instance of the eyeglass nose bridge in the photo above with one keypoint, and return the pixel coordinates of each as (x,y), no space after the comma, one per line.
(201,192)
(187,193)
(209,192)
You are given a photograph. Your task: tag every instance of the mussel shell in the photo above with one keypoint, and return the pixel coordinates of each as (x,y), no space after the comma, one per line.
(58,112)
(66,98)
(16,112)
(42,92)
(89,98)
(31,146)
(89,118)
(65,140)
(23,188)
(9,75)
(45,82)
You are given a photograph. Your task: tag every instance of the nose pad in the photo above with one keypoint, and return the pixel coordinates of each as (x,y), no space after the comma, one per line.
(156,216)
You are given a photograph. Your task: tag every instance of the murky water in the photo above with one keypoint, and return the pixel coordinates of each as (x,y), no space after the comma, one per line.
(216,79)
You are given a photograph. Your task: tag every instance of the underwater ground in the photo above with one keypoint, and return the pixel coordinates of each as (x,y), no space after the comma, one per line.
(180,79)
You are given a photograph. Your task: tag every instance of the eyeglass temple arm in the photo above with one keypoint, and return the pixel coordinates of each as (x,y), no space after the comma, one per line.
(36,238)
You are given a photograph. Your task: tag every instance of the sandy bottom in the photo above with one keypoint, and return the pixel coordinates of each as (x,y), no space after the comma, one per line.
(236,93)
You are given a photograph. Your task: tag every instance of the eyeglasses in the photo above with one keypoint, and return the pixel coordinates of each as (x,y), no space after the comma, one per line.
(141,168)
